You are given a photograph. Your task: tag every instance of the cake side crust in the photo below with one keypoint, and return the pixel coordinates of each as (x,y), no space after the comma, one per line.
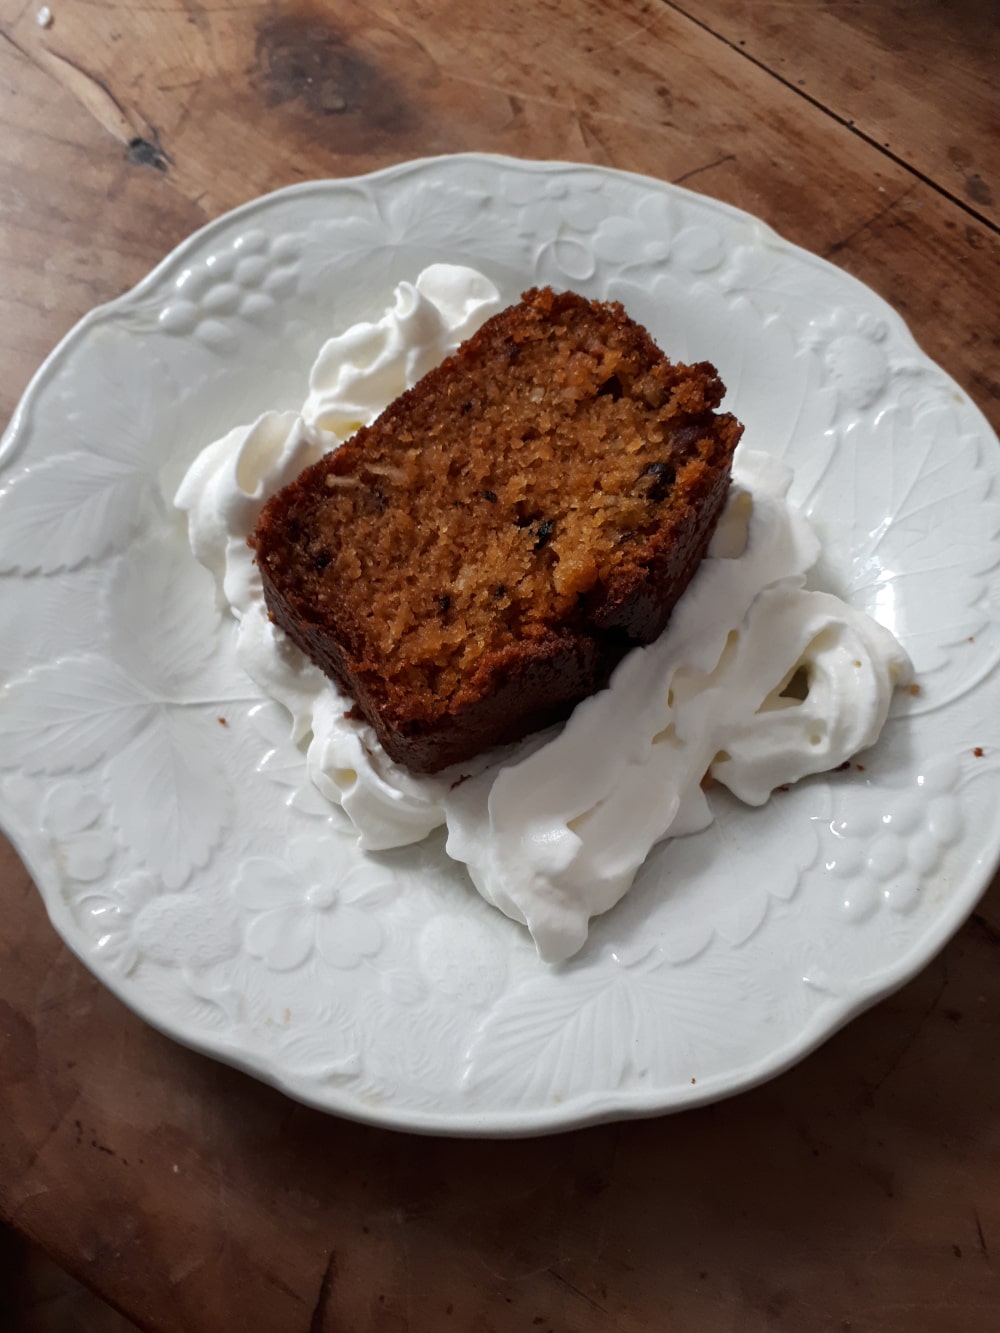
(522,673)
(535,688)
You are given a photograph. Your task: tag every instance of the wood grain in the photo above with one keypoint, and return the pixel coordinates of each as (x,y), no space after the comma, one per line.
(916,77)
(859,1191)
(856,1191)
(79,223)
(234,101)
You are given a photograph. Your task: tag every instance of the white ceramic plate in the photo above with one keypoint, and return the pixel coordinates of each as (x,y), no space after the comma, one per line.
(165,816)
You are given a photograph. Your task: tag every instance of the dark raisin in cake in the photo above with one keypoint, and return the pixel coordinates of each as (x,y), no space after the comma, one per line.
(473,564)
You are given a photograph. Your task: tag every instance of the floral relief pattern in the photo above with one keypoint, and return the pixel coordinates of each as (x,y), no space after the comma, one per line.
(307,903)
(69,814)
(653,238)
(169,821)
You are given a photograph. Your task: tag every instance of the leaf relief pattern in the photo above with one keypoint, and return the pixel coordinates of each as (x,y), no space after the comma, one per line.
(136,712)
(79,505)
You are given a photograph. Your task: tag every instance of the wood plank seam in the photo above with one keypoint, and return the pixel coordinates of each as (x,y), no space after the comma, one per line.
(697,171)
(841,120)
(835,247)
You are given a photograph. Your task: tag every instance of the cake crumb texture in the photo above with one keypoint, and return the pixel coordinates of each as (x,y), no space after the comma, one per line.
(478,559)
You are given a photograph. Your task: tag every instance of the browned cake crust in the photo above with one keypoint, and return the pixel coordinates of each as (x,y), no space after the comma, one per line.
(476,562)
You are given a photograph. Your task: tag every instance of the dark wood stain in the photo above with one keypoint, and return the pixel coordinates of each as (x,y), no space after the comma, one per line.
(960,155)
(308,61)
(985,384)
(977,190)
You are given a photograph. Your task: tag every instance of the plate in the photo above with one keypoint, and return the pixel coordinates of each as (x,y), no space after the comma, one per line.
(165,814)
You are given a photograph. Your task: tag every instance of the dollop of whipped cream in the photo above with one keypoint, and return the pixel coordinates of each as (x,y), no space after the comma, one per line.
(553,830)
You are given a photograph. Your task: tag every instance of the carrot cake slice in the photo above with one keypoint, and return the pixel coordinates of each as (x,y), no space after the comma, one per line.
(476,562)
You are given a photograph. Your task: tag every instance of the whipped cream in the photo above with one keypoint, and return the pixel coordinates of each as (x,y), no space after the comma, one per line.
(553,830)
(360,372)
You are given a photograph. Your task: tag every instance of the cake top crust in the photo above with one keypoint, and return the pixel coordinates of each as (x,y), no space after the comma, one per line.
(515,494)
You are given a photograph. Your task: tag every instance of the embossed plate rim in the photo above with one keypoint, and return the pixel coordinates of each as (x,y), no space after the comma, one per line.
(599,1105)
(539,166)
(529,1123)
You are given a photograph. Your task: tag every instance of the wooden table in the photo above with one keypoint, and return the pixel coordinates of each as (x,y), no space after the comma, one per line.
(861,1191)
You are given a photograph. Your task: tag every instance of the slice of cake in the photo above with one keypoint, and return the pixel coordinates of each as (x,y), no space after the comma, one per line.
(473,564)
